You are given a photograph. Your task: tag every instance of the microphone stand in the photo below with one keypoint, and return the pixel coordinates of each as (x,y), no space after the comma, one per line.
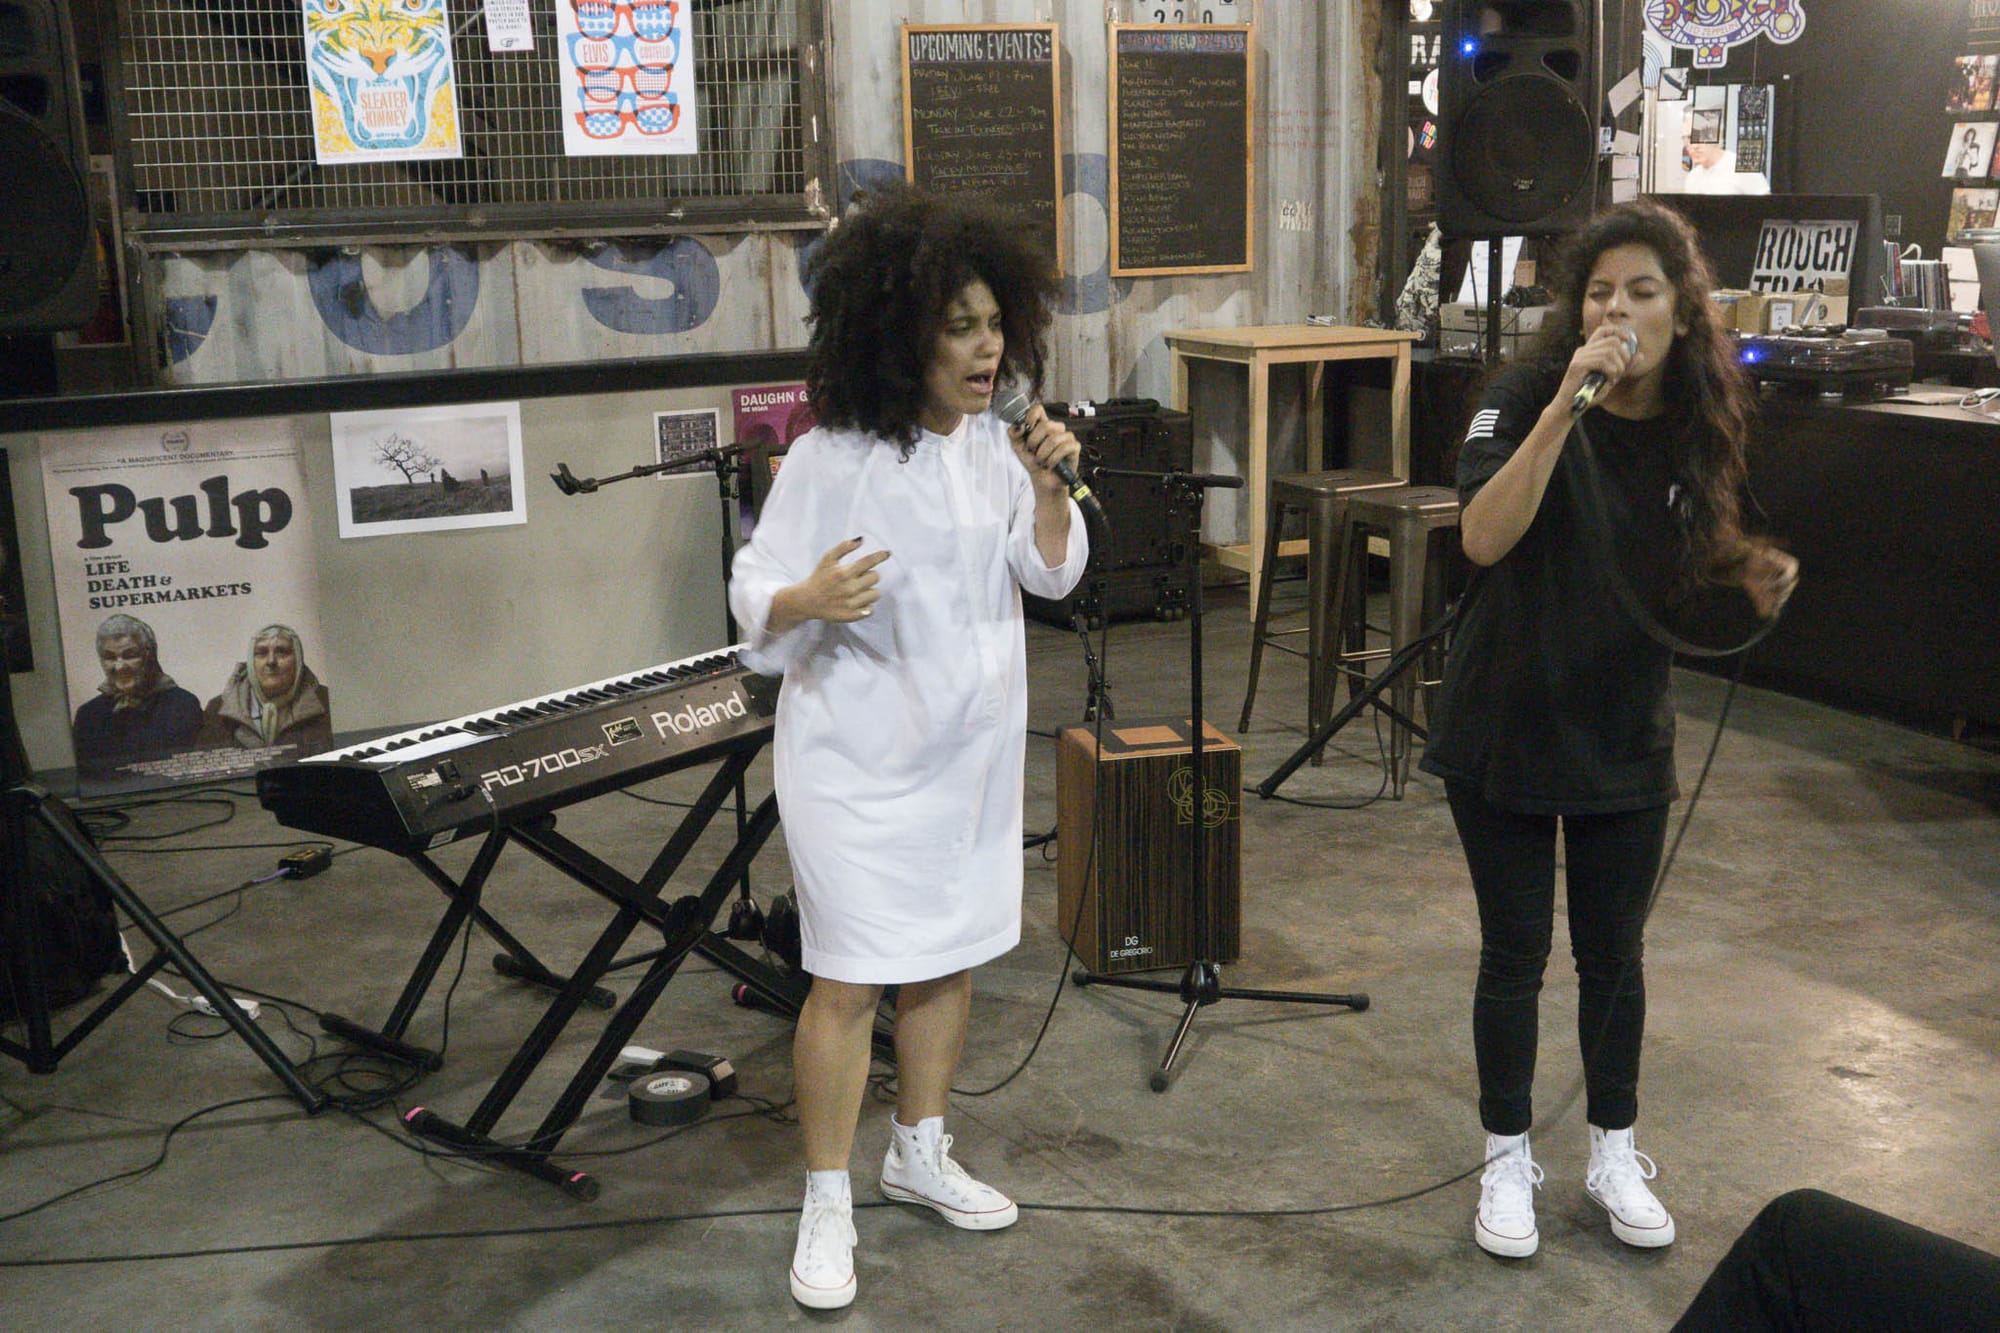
(1201,984)
(1098,698)
(1404,658)
(728,462)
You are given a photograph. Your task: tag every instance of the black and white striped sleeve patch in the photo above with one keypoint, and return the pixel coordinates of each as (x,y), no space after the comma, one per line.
(1482,425)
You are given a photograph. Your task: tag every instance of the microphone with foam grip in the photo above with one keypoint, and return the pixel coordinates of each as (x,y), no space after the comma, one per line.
(1594,382)
(1011,406)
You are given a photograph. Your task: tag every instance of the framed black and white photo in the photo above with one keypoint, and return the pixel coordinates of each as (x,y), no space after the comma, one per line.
(428,469)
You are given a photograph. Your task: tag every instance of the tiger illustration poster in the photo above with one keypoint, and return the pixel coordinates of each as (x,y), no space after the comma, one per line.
(627,69)
(382,86)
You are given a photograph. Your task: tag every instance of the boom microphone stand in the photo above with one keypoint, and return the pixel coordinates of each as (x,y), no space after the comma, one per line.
(727,461)
(764,985)
(1201,984)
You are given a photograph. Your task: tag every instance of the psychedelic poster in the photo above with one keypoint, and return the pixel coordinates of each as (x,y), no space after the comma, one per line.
(188,598)
(627,70)
(382,86)
(1710,27)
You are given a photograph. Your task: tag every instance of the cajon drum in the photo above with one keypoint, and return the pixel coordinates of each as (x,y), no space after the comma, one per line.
(1137,895)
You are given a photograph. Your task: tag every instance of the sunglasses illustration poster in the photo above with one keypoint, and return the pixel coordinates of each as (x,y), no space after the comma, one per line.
(627,69)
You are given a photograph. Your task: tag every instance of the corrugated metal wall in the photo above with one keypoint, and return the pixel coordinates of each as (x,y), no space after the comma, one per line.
(284,314)
(654,591)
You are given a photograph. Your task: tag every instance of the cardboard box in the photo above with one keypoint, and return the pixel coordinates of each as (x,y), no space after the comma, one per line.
(1780,311)
(1829,310)
(1462,328)
(1724,303)
(1753,312)
(1774,312)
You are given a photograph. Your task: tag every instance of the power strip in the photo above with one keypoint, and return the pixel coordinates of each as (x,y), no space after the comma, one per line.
(249,1007)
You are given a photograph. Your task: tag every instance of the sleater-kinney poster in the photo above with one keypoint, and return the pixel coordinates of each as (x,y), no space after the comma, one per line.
(188,600)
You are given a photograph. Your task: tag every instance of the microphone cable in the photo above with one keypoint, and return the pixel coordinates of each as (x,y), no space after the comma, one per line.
(1597,525)
(1101,691)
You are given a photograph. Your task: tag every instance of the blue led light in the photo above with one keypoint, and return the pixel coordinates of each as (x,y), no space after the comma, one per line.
(1752,355)
(1469,46)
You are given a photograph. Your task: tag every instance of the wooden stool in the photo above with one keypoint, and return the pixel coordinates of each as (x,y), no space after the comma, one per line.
(1322,497)
(1409,516)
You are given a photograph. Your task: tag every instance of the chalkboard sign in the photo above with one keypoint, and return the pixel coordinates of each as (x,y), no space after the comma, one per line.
(1181,105)
(981,120)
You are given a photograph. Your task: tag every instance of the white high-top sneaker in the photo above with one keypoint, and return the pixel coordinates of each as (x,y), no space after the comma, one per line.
(823,1261)
(1505,1222)
(919,1169)
(1617,1180)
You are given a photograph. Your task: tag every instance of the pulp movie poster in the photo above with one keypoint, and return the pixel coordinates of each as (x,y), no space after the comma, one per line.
(188,600)
(767,420)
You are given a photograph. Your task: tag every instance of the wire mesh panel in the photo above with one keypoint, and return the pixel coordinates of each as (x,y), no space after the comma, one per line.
(217,117)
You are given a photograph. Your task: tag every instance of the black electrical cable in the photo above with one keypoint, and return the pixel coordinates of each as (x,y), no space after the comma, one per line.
(1627,599)
(119,816)
(656,800)
(1381,788)
(474,1158)
(1596,524)
(137,1171)
(228,847)
(1090,865)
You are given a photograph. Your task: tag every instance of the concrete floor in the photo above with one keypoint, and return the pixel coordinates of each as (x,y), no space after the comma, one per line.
(1824,1010)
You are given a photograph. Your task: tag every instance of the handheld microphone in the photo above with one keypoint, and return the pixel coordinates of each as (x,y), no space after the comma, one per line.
(1011,406)
(1594,382)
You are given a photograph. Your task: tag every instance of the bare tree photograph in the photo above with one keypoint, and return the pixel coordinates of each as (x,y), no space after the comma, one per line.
(428,469)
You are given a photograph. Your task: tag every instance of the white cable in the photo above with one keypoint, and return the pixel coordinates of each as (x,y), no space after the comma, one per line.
(198,1003)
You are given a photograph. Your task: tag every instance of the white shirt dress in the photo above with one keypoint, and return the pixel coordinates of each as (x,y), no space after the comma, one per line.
(900,738)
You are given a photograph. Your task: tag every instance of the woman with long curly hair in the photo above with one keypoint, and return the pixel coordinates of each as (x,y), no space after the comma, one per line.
(1555,707)
(883,580)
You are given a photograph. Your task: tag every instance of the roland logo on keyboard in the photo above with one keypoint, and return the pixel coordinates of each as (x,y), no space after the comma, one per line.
(696,718)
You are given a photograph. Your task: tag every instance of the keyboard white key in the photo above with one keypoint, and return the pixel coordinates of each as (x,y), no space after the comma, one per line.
(442,737)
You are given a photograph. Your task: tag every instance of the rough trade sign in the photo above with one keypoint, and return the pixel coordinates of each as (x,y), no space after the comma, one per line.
(1792,256)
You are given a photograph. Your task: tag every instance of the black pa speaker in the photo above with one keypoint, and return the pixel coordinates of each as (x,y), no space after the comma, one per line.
(1143,571)
(48,250)
(1517,123)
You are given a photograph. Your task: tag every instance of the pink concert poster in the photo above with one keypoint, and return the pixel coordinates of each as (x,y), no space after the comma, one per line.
(767,420)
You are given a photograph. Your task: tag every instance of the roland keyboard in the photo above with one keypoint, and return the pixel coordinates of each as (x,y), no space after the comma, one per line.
(426,786)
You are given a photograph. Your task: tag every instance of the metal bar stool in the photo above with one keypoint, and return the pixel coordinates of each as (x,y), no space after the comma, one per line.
(1322,497)
(1410,517)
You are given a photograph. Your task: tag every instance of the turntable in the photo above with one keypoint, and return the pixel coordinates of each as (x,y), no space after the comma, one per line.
(1850,364)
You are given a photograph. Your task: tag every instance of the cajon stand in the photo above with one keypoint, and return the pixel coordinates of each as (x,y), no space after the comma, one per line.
(1201,984)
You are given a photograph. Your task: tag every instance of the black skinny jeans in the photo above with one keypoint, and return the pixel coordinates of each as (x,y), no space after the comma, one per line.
(1609,865)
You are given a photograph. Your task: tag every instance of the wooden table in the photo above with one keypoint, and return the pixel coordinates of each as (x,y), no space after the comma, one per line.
(1260,347)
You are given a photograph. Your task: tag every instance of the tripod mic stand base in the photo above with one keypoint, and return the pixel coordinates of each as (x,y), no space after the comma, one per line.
(1201,984)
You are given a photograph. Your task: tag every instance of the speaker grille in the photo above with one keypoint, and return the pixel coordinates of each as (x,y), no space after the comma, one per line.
(47,236)
(1522,148)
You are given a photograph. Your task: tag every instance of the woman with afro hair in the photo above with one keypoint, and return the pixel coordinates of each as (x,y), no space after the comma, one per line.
(884,582)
